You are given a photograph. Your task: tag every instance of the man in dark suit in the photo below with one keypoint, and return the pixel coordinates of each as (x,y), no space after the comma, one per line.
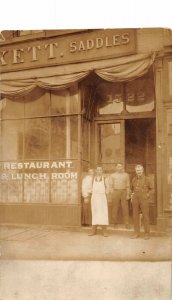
(140,188)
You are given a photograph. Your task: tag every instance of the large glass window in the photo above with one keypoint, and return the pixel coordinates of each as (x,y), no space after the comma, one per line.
(39,147)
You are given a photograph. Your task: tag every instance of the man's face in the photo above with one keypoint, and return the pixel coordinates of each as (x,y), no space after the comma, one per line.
(139,170)
(119,167)
(99,171)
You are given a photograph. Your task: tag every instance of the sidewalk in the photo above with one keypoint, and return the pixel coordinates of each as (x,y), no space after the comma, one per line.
(46,243)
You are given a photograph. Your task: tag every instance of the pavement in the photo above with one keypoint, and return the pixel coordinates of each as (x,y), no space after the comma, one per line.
(51,243)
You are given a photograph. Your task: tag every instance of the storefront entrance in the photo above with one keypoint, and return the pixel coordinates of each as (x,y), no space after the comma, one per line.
(130,141)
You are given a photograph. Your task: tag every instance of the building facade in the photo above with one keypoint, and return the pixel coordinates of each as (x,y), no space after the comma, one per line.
(74,99)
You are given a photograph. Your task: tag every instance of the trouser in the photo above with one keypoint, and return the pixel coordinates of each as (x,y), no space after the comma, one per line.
(140,204)
(117,197)
(86,212)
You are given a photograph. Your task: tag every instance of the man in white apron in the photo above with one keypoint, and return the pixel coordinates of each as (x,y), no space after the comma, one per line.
(99,204)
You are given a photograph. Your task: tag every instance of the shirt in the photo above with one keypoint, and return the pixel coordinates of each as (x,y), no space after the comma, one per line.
(140,184)
(120,181)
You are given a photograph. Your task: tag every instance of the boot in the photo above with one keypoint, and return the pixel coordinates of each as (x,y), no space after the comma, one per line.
(104,230)
(94,230)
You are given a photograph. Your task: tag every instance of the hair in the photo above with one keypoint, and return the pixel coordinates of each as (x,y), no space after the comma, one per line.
(119,163)
(99,167)
(139,166)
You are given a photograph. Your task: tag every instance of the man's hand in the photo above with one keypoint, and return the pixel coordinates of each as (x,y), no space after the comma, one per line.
(131,196)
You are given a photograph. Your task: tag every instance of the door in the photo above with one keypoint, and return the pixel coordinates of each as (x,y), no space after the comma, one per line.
(130,142)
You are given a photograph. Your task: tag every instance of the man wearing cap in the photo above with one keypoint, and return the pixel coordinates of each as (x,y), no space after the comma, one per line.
(120,187)
(140,187)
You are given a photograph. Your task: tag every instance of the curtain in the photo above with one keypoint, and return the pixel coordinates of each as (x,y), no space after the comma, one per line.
(60,77)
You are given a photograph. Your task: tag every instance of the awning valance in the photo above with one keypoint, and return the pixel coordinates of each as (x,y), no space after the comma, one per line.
(59,77)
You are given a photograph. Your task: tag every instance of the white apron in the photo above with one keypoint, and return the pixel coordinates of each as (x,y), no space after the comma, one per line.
(99,206)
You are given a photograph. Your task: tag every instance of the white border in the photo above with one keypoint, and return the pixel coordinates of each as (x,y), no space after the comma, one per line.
(74,14)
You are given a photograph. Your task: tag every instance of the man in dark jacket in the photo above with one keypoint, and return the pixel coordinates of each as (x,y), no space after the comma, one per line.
(140,187)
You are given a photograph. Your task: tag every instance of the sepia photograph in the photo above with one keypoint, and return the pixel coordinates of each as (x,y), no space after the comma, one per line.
(86,162)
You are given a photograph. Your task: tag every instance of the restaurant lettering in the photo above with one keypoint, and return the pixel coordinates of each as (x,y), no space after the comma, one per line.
(31,170)
(72,48)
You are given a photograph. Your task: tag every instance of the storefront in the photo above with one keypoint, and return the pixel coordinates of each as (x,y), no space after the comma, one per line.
(76,99)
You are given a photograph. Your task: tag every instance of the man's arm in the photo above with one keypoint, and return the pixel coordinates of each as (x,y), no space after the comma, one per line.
(128,186)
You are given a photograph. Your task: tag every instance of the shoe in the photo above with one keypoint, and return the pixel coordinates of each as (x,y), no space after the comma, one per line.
(135,236)
(92,233)
(104,231)
(147,236)
(127,226)
(94,230)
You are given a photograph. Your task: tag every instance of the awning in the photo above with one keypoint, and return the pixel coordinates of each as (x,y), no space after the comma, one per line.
(59,77)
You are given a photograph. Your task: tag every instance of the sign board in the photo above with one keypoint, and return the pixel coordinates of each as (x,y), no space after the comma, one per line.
(88,46)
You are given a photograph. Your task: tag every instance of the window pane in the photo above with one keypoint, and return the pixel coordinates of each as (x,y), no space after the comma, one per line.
(11,186)
(109,143)
(140,94)
(74,100)
(58,137)
(12,140)
(12,109)
(74,136)
(65,101)
(64,184)
(37,103)
(36,185)
(59,102)
(109,97)
(36,139)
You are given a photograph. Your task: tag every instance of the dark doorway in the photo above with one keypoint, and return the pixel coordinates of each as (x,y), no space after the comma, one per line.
(140,148)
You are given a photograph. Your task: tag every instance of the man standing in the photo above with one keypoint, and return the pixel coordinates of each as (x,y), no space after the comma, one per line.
(140,200)
(86,195)
(99,205)
(120,187)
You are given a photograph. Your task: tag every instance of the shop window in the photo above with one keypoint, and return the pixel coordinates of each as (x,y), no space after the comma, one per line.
(36,142)
(41,127)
